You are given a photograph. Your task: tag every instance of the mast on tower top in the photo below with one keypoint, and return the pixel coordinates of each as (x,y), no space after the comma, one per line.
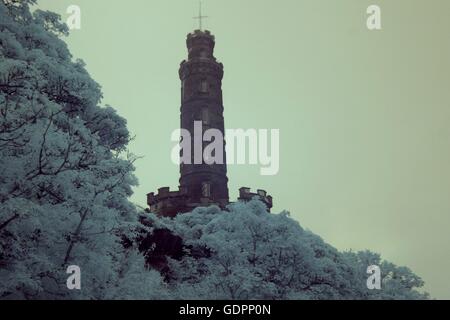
(200,17)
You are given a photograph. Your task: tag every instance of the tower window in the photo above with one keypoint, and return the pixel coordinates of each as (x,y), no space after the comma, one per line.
(205,116)
(204,86)
(206,189)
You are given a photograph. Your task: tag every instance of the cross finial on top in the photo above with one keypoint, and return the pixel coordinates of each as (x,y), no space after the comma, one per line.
(200,16)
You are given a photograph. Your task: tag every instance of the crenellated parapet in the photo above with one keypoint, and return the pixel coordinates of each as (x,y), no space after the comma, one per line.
(170,203)
(200,43)
(245,194)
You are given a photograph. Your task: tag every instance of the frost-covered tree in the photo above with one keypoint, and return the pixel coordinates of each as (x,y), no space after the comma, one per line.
(248,253)
(64,172)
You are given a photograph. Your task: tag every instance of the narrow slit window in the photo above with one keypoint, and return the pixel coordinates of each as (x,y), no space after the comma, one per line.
(204,86)
(205,116)
(206,189)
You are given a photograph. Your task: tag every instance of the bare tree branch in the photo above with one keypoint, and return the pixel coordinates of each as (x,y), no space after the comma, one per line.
(4,224)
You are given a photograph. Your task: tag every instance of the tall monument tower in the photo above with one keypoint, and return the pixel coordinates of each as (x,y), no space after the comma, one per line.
(201,184)
(201,100)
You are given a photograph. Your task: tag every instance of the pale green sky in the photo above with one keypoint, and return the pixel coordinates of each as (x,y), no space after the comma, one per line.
(364,116)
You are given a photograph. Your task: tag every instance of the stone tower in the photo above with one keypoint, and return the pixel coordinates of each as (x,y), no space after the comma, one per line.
(201,102)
